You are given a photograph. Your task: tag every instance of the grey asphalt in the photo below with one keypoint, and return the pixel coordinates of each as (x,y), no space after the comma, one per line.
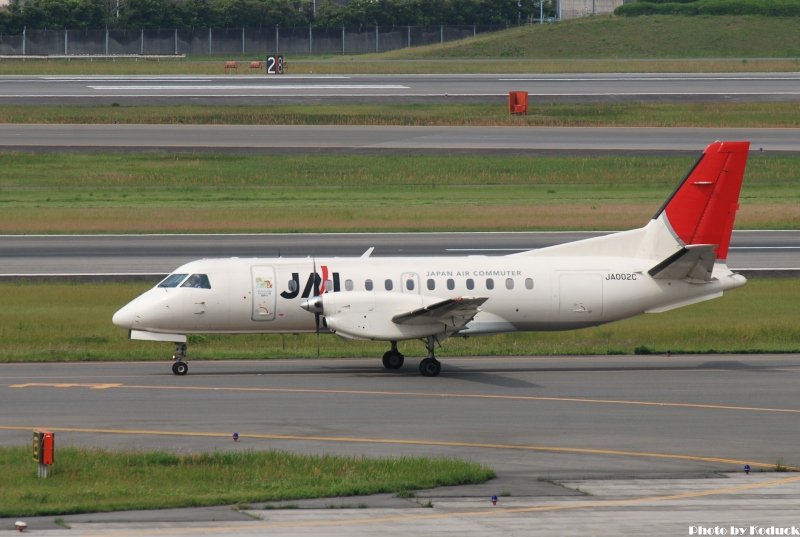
(160,254)
(758,504)
(305,88)
(622,445)
(388,139)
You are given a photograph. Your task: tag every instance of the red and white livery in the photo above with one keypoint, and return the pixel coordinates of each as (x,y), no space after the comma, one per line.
(677,259)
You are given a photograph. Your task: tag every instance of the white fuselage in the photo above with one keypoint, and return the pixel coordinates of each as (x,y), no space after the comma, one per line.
(523,293)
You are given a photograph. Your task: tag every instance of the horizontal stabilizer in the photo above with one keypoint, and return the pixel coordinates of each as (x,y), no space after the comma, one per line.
(453,311)
(692,262)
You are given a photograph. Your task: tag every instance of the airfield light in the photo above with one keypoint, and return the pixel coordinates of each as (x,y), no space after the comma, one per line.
(494,499)
(235,437)
(747,469)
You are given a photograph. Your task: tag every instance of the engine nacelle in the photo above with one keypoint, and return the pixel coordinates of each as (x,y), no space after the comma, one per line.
(368,315)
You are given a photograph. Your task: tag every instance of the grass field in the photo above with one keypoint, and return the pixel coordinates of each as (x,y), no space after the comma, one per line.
(72,322)
(740,115)
(609,37)
(591,44)
(159,192)
(84,480)
(372,64)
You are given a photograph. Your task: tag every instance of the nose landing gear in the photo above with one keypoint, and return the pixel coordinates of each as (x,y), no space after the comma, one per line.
(180,367)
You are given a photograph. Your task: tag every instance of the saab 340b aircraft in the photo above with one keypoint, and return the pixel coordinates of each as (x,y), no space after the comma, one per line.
(677,259)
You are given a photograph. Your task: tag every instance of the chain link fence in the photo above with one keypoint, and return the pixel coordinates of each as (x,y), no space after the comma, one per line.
(240,41)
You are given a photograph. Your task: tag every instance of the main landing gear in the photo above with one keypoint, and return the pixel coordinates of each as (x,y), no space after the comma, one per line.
(429,367)
(393,359)
(180,367)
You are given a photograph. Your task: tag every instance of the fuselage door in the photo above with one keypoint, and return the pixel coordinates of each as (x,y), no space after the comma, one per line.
(410,282)
(264,292)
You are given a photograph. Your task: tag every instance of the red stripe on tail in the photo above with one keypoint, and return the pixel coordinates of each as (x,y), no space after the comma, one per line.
(703,208)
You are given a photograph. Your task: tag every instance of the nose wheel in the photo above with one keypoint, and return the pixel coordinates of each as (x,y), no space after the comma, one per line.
(180,367)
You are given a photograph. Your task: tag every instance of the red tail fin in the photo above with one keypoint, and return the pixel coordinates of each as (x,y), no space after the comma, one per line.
(703,208)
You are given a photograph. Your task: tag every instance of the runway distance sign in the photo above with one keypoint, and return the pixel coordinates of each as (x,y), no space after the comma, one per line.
(275,64)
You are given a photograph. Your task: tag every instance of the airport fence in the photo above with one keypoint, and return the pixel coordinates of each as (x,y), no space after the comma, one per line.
(226,41)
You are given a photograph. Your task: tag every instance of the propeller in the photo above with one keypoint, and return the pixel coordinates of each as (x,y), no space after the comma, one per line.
(318,310)
(314,304)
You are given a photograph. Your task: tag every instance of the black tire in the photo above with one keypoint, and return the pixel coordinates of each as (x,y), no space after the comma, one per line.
(180,368)
(393,360)
(430,367)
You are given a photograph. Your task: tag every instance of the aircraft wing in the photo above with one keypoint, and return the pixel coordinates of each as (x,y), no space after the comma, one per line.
(693,262)
(455,312)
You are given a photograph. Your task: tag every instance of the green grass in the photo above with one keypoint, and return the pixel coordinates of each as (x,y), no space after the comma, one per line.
(48,322)
(661,36)
(372,64)
(738,115)
(128,193)
(591,44)
(90,480)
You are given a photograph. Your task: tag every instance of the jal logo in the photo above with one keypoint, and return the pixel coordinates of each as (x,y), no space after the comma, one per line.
(315,283)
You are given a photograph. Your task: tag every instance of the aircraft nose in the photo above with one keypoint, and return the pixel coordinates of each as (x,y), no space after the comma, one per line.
(125,317)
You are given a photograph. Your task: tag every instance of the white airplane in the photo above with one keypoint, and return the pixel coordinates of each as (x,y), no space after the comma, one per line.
(677,259)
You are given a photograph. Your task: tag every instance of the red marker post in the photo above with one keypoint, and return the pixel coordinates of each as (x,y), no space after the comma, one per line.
(43,450)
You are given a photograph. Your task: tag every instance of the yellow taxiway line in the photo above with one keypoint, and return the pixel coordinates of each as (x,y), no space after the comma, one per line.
(659,404)
(404,441)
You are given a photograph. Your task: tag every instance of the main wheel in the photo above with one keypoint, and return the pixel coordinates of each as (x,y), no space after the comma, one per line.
(180,368)
(393,360)
(430,367)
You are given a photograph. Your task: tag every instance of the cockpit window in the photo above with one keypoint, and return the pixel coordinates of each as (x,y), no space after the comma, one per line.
(198,281)
(173,280)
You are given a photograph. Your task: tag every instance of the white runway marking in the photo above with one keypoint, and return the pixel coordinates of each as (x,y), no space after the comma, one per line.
(180,78)
(255,87)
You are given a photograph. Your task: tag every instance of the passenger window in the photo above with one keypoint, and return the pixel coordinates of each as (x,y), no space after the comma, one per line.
(348,285)
(451,284)
(328,286)
(368,285)
(470,284)
(292,286)
(410,284)
(509,283)
(489,283)
(388,284)
(173,280)
(431,284)
(528,283)
(197,281)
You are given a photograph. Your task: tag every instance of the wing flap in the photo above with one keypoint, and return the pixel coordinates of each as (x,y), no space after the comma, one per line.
(692,262)
(456,311)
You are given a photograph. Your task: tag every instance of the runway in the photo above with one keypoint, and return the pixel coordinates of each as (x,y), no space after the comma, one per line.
(250,139)
(258,89)
(581,423)
(160,254)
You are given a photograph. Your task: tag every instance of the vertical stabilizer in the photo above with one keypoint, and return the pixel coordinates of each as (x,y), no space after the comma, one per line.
(702,209)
